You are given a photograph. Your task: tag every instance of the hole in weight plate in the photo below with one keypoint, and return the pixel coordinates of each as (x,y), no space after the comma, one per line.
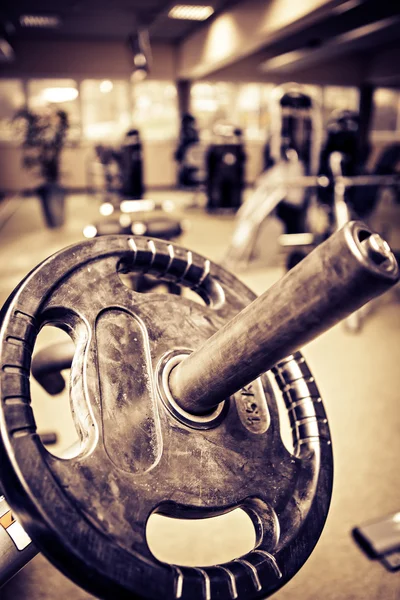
(146,283)
(52,411)
(200,542)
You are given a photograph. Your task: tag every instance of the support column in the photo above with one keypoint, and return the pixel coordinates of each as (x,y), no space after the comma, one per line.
(366,113)
(183,88)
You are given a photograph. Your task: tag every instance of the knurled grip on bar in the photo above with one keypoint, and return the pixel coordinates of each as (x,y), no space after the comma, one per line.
(350,268)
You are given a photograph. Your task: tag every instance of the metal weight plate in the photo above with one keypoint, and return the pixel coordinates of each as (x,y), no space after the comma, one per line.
(139,453)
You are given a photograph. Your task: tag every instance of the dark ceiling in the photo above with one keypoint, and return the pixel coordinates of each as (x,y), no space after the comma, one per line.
(344,26)
(361,33)
(102,19)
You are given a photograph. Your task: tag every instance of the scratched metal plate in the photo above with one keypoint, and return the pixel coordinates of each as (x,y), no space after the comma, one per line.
(88,514)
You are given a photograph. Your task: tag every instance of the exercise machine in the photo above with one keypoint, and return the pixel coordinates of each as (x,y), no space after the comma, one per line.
(225,161)
(291,153)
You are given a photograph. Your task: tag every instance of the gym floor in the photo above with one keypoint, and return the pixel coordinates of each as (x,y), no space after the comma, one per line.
(359,378)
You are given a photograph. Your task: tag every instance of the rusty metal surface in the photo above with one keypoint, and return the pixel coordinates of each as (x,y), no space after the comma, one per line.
(88,514)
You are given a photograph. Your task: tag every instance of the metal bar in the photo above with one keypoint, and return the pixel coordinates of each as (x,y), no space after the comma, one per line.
(309,181)
(338,277)
(361,180)
(305,181)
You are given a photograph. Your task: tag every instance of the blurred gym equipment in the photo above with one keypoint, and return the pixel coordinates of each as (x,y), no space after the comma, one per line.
(225,162)
(121,187)
(203,435)
(342,136)
(381,539)
(216,168)
(104,174)
(245,235)
(311,206)
(190,155)
(140,217)
(132,165)
(296,123)
(291,153)
(388,163)
(343,143)
(293,148)
(117,173)
(44,138)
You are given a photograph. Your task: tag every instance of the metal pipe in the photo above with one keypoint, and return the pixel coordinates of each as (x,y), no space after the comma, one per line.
(361,180)
(310,181)
(338,277)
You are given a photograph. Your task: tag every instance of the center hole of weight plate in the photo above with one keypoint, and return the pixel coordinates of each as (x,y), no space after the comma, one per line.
(204,421)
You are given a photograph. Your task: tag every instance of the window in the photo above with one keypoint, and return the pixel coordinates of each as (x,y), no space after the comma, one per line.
(155,110)
(386,115)
(315,91)
(12,98)
(245,105)
(265,119)
(60,94)
(248,109)
(105,109)
(210,103)
(339,98)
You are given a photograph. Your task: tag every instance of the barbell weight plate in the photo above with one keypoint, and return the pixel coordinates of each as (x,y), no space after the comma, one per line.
(138,455)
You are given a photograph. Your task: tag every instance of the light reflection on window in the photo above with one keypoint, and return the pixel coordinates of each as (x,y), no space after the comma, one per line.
(105,109)
(155,110)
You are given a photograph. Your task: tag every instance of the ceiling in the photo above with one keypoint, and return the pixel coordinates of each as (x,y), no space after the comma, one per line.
(360,36)
(357,40)
(102,19)
(367,25)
